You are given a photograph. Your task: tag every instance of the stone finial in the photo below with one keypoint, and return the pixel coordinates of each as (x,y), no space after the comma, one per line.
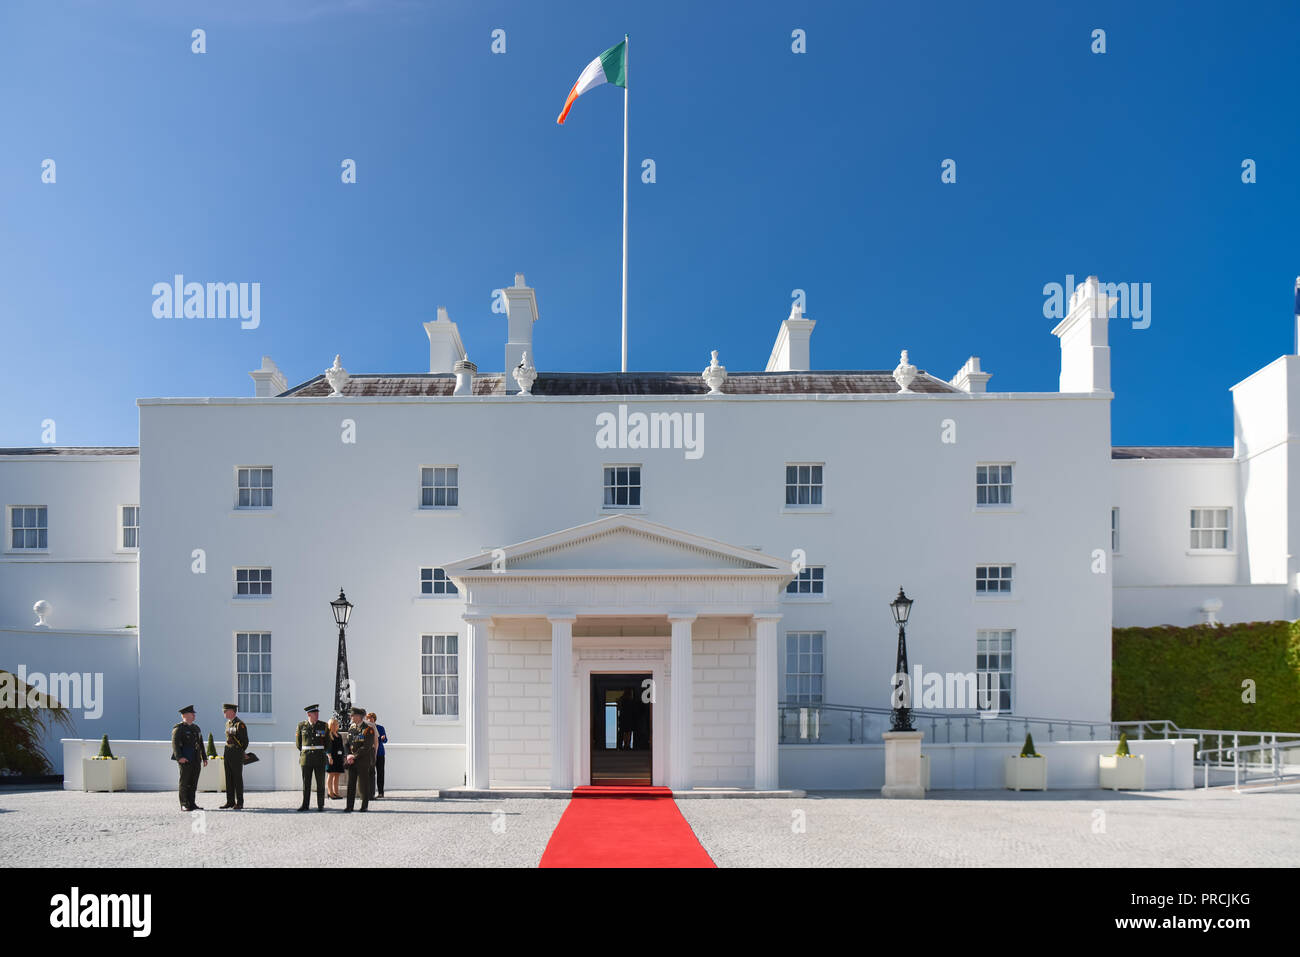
(525,374)
(904,373)
(442,315)
(519,280)
(714,375)
(796,311)
(42,609)
(337,377)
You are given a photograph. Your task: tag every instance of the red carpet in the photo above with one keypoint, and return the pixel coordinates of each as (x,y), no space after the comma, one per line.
(623,827)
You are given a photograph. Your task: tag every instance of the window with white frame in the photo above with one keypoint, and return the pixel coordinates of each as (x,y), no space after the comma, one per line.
(804,666)
(434,581)
(28,526)
(622,486)
(439,667)
(440,486)
(803,485)
(1211,527)
(1114,530)
(254,487)
(810,581)
(993,580)
(253,671)
(130,526)
(992,485)
(993,670)
(252,583)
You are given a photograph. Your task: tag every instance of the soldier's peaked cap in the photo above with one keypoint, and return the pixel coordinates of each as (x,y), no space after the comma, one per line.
(230,707)
(188,709)
(311,707)
(359,711)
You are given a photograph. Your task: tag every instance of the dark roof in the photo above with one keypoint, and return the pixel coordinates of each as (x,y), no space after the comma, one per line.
(1171,452)
(632,383)
(75,450)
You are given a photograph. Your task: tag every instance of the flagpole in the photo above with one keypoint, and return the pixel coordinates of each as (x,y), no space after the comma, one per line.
(625,80)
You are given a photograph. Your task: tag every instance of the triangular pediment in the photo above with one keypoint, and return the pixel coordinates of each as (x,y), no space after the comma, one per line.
(620,544)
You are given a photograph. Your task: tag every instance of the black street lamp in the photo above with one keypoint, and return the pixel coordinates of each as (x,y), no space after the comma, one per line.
(900,717)
(342,609)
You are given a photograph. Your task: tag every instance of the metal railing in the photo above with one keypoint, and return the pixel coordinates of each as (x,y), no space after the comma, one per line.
(1274,770)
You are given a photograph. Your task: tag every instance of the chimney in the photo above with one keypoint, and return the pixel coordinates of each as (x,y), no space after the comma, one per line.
(791,351)
(521,313)
(969,378)
(465,371)
(269,380)
(1085,355)
(445,348)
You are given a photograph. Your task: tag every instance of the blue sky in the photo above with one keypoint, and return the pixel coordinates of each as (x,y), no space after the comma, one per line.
(775,171)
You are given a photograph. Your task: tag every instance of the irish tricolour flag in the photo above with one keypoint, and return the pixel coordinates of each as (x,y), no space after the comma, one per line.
(609,67)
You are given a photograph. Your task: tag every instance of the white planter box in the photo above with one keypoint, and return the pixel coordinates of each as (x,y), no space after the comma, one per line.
(1026,774)
(1119,773)
(103,775)
(213,777)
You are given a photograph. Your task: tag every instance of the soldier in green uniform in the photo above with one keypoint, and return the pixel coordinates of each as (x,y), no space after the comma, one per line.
(360,758)
(312,736)
(233,758)
(187,752)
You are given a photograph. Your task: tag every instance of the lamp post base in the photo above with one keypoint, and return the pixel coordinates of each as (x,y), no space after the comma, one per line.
(903,765)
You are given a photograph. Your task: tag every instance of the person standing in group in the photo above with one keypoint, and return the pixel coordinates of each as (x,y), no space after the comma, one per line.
(311,740)
(360,759)
(377,786)
(187,752)
(232,756)
(334,752)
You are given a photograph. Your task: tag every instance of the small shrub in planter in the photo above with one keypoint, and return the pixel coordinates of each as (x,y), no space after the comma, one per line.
(105,771)
(212,776)
(1122,770)
(1026,771)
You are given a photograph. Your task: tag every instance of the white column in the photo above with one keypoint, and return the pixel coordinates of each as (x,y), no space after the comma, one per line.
(561,701)
(681,727)
(478,628)
(765,702)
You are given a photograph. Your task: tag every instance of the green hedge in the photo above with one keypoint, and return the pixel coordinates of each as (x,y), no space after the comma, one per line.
(1193,676)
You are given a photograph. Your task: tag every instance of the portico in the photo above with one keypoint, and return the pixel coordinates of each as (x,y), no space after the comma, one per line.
(688,622)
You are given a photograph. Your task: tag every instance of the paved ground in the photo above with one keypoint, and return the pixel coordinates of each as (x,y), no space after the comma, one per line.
(953,828)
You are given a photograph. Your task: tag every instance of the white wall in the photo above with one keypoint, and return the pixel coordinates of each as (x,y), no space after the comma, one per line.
(1070,764)
(1179,605)
(723,689)
(89,581)
(519,704)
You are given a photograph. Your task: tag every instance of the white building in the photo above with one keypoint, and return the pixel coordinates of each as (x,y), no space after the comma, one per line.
(526,566)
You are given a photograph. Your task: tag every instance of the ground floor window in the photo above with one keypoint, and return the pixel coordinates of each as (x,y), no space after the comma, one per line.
(804,666)
(253,671)
(993,670)
(439,678)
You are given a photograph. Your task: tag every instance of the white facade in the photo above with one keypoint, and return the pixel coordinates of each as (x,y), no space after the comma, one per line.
(688,588)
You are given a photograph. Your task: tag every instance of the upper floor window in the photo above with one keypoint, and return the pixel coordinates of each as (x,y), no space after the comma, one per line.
(1211,527)
(253,582)
(130,526)
(254,487)
(992,485)
(440,487)
(993,579)
(253,671)
(1114,530)
(28,526)
(622,486)
(803,485)
(809,581)
(434,581)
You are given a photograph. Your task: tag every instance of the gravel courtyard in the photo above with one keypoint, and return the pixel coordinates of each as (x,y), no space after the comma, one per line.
(414,829)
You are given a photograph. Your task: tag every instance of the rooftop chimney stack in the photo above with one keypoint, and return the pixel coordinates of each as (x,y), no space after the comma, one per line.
(269,380)
(445,347)
(969,378)
(1085,354)
(521,313)
(791,353)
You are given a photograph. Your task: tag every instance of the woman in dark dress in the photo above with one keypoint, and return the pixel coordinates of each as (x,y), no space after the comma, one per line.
(334,752)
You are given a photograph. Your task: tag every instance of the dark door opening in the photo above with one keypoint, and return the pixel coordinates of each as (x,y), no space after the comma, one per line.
(620,729)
